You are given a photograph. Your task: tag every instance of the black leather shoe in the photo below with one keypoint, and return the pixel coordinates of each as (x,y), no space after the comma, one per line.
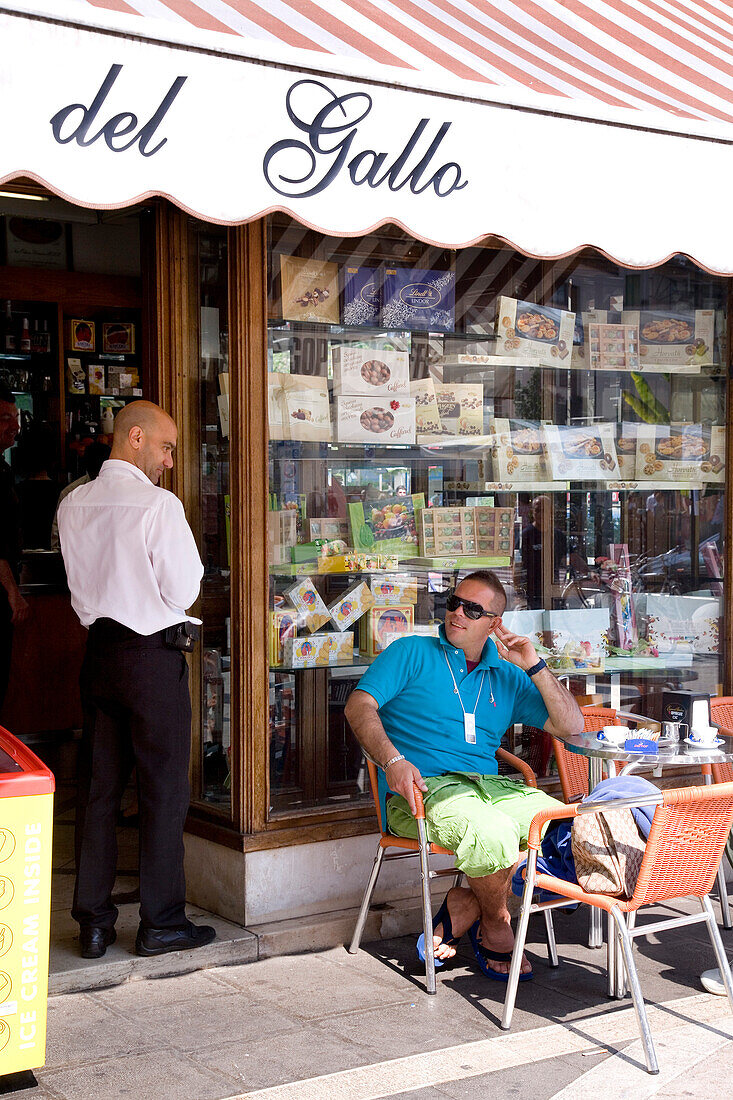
(93,941)
(158,941)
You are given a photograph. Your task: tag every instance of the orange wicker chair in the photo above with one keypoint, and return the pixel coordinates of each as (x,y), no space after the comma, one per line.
(424,849)
(721,715)
(683,852)
(573,769)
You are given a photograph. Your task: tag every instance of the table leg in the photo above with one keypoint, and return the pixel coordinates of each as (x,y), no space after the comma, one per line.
(595,933)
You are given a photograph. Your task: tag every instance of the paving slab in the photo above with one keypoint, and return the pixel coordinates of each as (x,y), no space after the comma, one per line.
(163,1075)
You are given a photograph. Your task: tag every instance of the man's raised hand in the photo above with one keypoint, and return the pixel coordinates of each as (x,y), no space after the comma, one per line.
(514,647)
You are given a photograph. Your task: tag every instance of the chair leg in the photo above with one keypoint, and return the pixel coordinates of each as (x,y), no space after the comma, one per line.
(519,940)
(639,1006)
(723,895)
(718,948)
(612,958)
(551,942)
(458,879)
(366,901)
(427,907)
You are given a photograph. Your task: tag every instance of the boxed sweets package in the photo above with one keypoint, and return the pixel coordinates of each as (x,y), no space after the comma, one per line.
(687,624)
(540,333)
(375,420)
(371,372)
(350,607)
(118,338)
(427,419)
(417,298)
(283,625)
(388,590)
(584,454)
(386,526)
(379,620)
(318,650)
(520,453)
(423,630)
(298,407)
(306,599)
(674,452)
(673,339)
(361,295)
(713,467)
(626,450)
(80,335)
(460,408)
(309,290)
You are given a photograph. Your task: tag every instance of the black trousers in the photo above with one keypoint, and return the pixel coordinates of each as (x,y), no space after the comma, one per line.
(6,645)
(137,712)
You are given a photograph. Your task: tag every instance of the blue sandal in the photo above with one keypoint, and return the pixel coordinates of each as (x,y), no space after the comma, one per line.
(441,917)
(484,956)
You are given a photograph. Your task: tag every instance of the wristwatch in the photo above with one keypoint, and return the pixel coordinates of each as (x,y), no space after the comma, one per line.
(536,668)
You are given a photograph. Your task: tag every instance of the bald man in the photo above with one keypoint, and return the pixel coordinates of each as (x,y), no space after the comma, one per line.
(133,569)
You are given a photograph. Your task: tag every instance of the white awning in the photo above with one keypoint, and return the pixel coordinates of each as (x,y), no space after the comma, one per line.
(551,126)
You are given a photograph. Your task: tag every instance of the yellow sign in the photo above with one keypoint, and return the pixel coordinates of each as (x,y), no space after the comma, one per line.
(25,908)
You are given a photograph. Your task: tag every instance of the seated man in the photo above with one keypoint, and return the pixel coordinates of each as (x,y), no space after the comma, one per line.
(432,711)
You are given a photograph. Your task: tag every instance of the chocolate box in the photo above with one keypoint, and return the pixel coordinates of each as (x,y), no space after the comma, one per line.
(298,407)
(578,454)
(350,607)
(362,295)
(309,290)
(375,420)
(319,650)
(370,371)
(540,333)
(306,599)
(418,298)
(460,408)
(672,340)
(397,620)
(674,452)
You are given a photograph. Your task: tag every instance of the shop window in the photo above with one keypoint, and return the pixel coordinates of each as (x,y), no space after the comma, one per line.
(432,412)
(212,763)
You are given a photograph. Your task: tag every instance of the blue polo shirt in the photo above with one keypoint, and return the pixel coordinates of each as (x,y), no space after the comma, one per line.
(422,715)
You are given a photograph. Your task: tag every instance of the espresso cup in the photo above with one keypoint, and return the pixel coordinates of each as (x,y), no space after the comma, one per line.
(704,735)
(613,735)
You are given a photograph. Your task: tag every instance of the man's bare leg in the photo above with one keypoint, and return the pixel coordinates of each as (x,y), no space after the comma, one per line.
(464,911)
(492,893)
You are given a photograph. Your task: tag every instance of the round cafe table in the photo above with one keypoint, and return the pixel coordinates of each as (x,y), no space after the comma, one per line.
(670,754)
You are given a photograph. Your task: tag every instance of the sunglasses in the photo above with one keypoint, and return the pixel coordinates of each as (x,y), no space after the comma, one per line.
(470,609)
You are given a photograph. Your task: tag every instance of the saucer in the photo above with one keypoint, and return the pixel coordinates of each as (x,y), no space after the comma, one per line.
(707,745)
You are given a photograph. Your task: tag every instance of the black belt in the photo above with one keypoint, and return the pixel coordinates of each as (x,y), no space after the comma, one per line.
(108,630)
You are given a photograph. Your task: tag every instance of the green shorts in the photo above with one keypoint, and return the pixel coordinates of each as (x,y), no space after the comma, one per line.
(483,819)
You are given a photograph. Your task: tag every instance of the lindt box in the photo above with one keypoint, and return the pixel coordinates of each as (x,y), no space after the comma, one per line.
(396,620)
(350,607)
(283,625)
(535,332)
(460,408)
(375,420)
(371,372)
(391,590)
(673,339)
(306,599)
(418,298)
(361,295)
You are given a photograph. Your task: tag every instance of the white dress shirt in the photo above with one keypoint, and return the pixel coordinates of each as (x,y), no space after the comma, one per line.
(128,550)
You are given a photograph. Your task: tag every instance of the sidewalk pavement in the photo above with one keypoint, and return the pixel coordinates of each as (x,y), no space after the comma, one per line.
(331,1025)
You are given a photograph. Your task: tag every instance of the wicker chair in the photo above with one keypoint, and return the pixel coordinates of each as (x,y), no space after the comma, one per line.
(681,859)
(424,849)
(572,768)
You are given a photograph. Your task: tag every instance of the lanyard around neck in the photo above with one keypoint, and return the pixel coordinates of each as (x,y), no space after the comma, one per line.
(457,692)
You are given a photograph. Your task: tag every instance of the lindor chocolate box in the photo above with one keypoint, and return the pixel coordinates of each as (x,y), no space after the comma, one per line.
(375,420)
(347,609)
(418,298)
(306,599)
(362,297)
(370,371)
(529,331)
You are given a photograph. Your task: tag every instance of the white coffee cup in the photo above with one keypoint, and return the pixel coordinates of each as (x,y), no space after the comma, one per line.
(704,735)
(613,735)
